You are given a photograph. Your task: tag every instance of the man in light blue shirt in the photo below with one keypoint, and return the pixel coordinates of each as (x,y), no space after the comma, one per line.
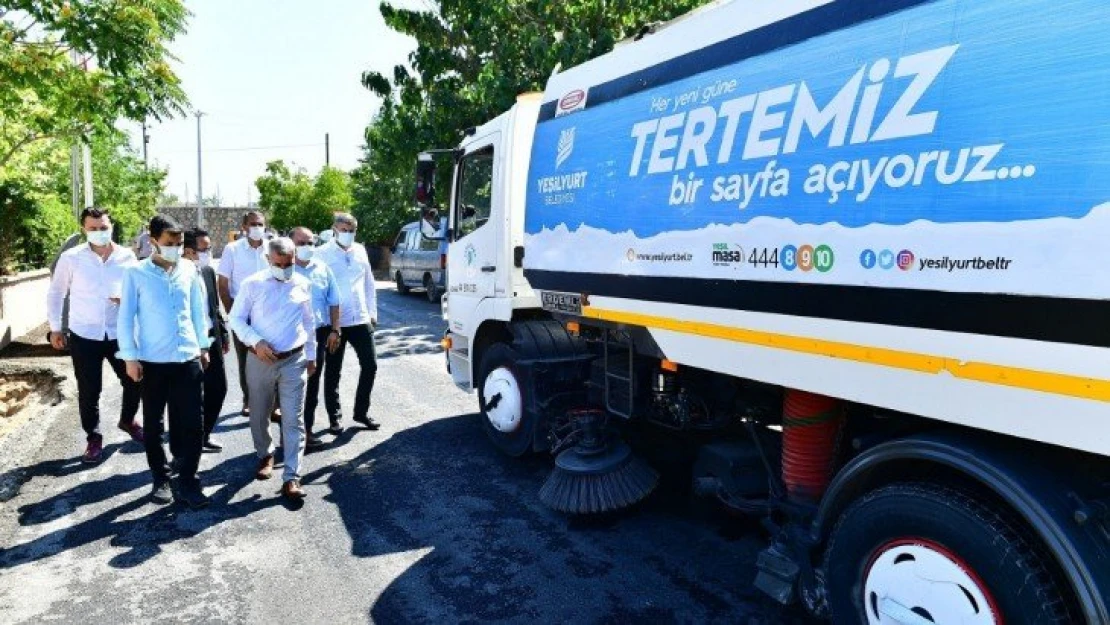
(163,341)
(325,309)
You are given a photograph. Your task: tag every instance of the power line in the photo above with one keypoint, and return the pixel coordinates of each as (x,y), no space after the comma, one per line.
(254,147)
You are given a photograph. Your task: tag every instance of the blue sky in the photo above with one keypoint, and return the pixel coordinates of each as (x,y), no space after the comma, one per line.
(273,73)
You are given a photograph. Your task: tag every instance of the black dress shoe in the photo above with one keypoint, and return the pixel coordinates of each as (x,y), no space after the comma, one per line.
(161,494)
(311,442)
(212,447)
(336,429)
(191,495)
(367,422)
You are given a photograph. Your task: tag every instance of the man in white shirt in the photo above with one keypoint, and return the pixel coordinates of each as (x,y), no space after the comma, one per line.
(241,259)
(358,315)
(273,315)
(91,276)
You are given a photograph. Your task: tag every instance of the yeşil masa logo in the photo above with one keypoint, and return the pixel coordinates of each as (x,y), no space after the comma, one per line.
(565,146)
(725,255)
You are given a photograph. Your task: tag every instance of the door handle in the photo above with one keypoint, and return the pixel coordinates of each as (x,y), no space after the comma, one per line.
(489,269)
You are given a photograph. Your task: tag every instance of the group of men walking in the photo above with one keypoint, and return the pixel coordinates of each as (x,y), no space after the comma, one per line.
(292,309)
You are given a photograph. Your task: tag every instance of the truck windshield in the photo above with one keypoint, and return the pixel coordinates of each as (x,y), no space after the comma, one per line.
(475,191)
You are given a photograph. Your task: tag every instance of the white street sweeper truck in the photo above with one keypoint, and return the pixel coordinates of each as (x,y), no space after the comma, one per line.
(846,256)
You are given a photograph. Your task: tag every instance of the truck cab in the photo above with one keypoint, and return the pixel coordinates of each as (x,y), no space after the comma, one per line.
(485,276)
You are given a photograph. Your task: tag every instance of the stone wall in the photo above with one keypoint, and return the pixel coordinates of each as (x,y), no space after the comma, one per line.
(222,222)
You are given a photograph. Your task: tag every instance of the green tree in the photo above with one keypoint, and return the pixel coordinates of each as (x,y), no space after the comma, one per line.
(122,68)
(293,198)
(472,60)
(35,212)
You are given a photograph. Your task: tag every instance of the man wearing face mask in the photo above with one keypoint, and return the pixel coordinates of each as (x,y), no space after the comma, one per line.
(358,315)
(273,315)
(92,276)
(242,259)
(163,339)
(198,246)
(325,310)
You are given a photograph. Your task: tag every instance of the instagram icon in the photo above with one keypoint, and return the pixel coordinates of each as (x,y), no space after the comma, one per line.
(905,260)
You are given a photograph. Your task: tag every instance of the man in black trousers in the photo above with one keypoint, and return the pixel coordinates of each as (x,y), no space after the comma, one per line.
(89,278)
(198,246)
(163,341)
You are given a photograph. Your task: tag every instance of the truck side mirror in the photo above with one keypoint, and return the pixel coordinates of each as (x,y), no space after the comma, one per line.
(430,228)
(424,193)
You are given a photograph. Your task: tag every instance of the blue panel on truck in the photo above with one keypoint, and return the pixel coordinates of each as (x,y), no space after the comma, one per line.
(949,146)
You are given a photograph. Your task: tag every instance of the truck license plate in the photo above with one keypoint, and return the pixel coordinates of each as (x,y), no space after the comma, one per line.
(562,302)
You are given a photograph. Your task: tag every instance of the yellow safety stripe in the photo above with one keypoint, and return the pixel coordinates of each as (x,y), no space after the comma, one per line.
(1043,381)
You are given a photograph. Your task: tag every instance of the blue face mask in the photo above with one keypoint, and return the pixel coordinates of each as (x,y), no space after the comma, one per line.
(345,238)
(283,274)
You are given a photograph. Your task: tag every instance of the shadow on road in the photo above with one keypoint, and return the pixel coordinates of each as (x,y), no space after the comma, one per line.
(145,535)
(408,325)
(493,552)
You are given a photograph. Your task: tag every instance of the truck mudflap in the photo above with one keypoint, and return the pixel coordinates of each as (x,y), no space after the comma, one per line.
(1072,522)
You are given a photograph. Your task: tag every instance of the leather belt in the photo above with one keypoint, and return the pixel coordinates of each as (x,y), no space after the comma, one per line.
(284,355)
(281,355)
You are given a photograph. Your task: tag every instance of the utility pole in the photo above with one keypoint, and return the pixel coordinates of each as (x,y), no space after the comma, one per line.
(87,154)
(146,140)
(327,150)
(75,179)
(200,179)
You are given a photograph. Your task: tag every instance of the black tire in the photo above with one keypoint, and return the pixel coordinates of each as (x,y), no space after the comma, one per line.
(402,288)
(1013,575)
(518,442)
(430,289)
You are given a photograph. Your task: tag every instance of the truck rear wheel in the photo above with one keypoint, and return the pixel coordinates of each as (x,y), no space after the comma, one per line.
(503,402)
(923,553)
(402,288)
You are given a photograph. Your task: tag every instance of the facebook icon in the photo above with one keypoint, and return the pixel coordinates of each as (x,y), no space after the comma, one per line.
(867,259)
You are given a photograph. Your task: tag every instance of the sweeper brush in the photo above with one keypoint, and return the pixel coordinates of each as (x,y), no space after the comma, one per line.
(599,473)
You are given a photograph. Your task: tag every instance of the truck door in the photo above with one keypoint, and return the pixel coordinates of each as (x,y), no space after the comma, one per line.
(478,232)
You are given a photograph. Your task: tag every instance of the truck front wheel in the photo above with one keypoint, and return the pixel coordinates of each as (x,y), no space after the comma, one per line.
(502,398)
(924,553)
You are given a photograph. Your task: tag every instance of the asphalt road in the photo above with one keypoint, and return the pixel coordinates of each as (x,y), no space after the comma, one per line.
(419,522)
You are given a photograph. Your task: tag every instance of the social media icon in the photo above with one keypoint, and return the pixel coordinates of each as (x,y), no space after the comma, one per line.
(867,258)
(905,260)
(886,259)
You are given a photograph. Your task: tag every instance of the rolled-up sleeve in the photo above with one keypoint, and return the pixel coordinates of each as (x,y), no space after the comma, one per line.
(226,267)
(240,312)
(59,287)
(198,309)
(125,322)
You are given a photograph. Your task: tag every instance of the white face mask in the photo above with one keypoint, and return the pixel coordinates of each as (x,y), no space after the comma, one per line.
(284,274)
(304,253)
(170,253)
(203,258)
(345,238)
(256,233)
(100,238)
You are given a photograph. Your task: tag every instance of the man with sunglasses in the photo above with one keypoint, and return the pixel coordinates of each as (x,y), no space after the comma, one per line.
(325,310)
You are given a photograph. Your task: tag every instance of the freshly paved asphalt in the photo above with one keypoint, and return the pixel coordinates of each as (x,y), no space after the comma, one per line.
(419,522)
